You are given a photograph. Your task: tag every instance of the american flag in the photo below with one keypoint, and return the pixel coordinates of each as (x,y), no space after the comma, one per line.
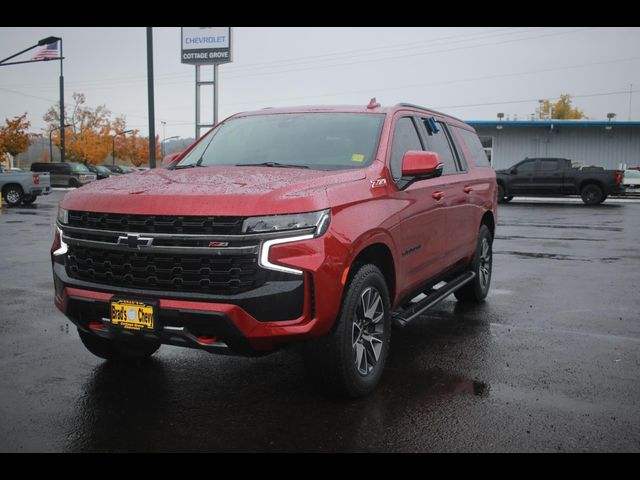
(48,51)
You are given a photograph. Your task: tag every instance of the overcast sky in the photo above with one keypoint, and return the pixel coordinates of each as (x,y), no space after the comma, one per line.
(472,72)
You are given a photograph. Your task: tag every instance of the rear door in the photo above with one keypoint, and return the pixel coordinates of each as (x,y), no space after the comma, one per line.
(56,174)
(548,177)
(455,186)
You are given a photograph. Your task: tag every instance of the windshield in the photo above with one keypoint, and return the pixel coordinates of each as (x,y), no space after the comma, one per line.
(322,141)
(631,174)
(102,169)
(78,167)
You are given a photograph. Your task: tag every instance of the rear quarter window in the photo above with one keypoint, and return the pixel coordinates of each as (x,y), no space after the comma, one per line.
(474,147)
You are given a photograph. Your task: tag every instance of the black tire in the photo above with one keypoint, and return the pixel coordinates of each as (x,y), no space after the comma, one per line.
(29,199)
(476,290)
(13,195)
(117,350)
(345,362)
(592,194)
(74,182)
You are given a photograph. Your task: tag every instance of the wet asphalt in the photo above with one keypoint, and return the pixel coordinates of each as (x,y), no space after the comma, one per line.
(550,363)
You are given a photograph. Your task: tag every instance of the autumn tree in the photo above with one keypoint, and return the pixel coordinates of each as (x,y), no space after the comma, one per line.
(13,136)
(135,148)
(90,136)
(561,110)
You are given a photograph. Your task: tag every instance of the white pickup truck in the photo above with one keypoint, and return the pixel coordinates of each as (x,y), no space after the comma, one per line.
(23,187)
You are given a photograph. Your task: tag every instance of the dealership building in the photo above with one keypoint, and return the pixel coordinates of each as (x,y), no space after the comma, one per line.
(608,144)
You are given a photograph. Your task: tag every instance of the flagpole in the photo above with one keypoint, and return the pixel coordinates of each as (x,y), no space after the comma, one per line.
(62,149)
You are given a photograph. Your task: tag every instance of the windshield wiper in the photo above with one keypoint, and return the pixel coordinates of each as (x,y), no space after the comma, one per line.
(271,164)
(189,165)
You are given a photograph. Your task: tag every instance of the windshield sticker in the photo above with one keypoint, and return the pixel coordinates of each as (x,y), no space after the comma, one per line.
(357,157)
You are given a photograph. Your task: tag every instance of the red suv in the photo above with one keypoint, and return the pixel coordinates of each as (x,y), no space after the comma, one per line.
(317,225)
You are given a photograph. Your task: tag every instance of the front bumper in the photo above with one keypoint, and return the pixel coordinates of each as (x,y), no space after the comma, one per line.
(281,311)
(197,323)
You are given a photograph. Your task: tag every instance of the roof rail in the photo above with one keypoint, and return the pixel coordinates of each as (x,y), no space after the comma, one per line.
(412,105)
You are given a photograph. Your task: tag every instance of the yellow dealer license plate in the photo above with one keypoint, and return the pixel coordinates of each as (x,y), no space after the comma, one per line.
(132,315)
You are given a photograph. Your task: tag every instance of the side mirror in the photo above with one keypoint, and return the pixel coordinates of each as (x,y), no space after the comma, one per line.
(513,171)
(168,160)
(421,165)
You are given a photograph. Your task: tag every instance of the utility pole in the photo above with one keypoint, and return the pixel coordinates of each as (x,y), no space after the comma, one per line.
(152,120)
(630,93)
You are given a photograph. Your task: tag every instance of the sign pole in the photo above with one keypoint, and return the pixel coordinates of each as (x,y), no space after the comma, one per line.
(206,46)
(197,101)
(215,93)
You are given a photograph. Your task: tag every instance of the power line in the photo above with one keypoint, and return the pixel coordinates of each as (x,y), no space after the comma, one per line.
(305,59)
(117,82)
(623,92)
(441,82)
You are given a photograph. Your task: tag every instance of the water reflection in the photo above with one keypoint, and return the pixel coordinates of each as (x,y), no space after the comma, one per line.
(191,401)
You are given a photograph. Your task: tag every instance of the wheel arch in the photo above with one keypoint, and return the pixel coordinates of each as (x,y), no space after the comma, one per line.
(11,184)
(591,181)
(489,220)
(378,254)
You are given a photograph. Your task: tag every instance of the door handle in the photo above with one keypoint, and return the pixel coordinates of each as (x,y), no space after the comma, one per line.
(437,195)
(467,189)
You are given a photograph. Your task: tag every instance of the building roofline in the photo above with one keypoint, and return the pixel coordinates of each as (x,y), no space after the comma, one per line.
(548,123)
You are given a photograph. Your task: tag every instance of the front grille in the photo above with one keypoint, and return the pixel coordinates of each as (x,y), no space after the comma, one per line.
(212,274)
(185,224)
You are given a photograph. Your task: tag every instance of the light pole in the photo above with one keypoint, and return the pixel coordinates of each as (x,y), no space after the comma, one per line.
(47,41)
(113,145)
(51,143)
(164,140)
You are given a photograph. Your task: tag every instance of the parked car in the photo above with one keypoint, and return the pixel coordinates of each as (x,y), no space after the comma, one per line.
(118,169)
(558,177)
(65,174)
(18,186)
(631,181)
(100,171)
(281,226)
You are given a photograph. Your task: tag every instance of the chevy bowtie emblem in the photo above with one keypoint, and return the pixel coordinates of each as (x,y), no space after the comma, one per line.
(218,244)
(135,241)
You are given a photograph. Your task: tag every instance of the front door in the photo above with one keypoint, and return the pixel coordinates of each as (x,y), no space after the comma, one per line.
(423,218)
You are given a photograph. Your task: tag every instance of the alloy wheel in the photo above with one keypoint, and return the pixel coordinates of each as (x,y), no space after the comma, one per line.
(368,331)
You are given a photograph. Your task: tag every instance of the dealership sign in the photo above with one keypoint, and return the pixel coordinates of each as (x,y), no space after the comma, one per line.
(206,45)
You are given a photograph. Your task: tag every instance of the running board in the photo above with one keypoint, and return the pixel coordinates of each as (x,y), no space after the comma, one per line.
(433,297)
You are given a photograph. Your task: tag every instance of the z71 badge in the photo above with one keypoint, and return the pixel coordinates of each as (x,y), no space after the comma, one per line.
(380,182)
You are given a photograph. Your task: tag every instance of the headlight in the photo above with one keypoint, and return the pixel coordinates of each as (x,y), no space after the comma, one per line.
(296,221)
(63,215)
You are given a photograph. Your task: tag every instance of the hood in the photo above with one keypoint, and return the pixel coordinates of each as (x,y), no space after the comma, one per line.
(234,191)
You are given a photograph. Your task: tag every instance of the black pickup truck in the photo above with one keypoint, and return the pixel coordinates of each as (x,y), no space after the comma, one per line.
(558,176)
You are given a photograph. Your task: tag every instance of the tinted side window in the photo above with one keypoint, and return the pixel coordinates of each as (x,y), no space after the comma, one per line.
(526,167)
(439,143)
(475,147)
(405,138)
(548,165)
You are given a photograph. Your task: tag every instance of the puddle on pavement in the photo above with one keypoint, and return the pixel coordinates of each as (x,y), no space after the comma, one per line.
(523,237)
(549,256)
(436,382)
